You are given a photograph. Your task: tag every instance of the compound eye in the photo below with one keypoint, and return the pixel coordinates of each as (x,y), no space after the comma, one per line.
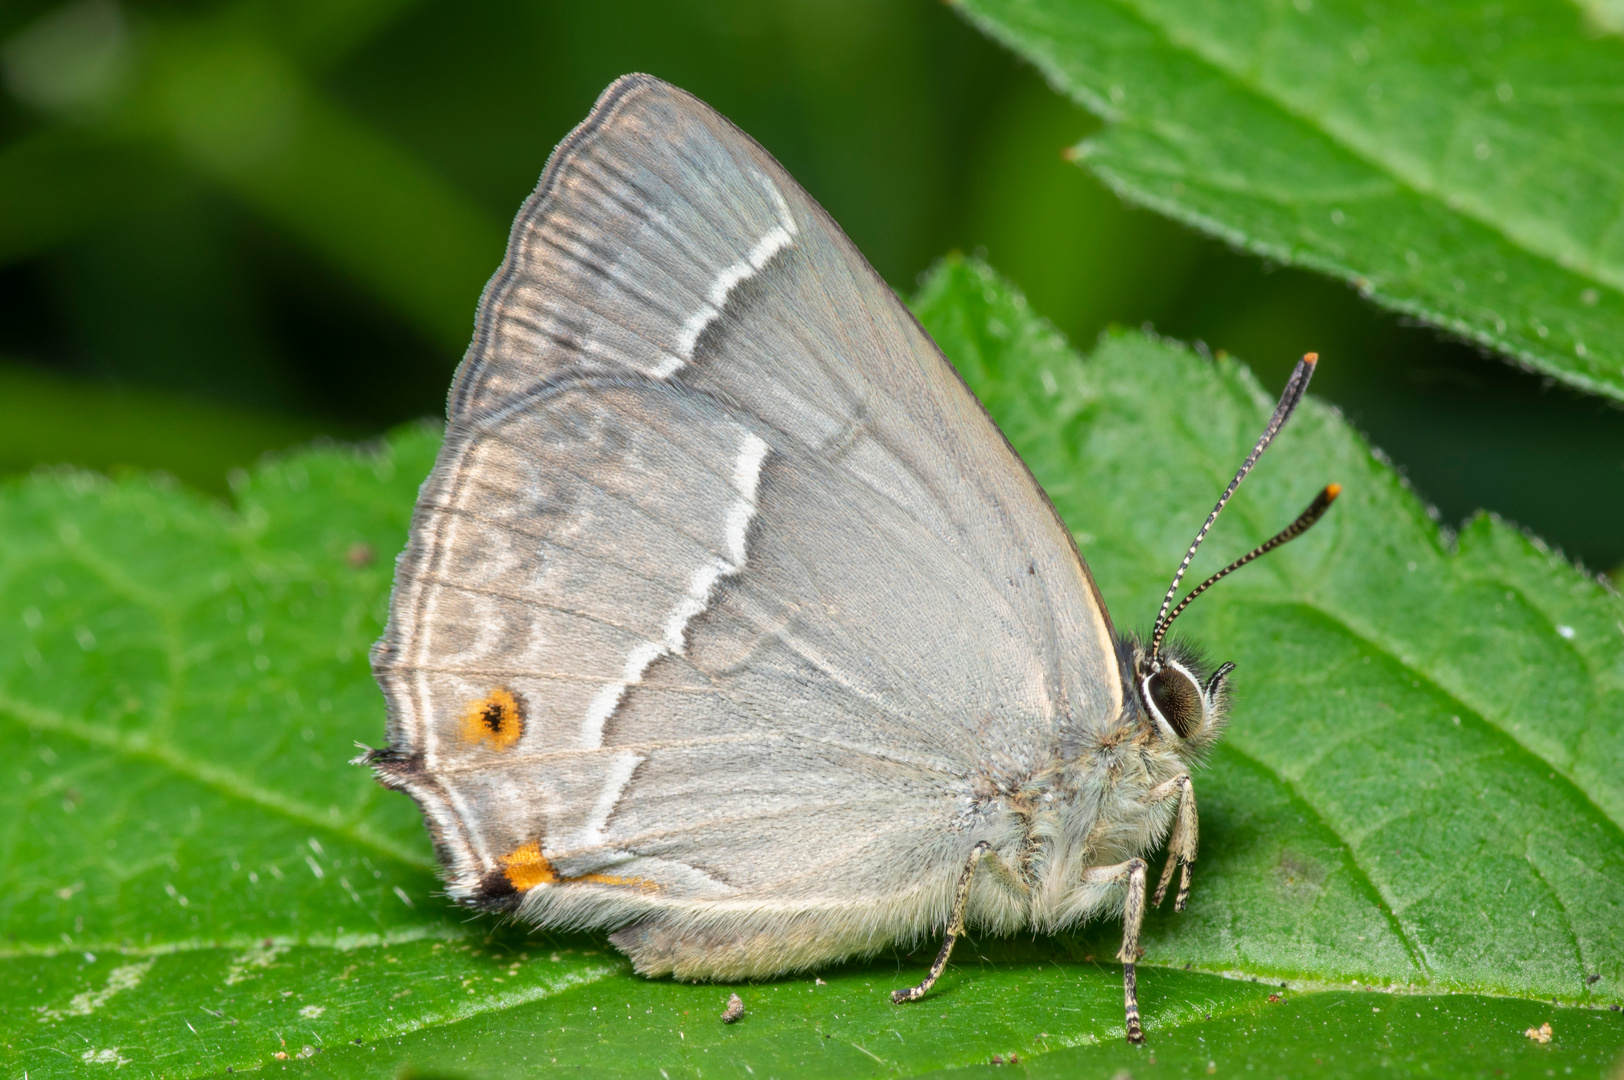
(1176,696)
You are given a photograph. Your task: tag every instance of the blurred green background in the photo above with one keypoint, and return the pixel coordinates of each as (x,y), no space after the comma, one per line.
(230,227)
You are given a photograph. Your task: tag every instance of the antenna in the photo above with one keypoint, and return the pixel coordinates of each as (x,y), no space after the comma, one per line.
(1322,502)
(1296,386)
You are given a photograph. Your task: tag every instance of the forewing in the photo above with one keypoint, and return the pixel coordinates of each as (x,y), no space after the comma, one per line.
(664,241)
(723,575)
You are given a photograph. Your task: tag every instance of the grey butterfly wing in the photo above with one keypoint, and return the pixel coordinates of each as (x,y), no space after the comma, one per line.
(725,594)
(664,241)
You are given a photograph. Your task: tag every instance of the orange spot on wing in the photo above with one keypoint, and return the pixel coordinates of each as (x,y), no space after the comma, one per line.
(497,719)
(526,867)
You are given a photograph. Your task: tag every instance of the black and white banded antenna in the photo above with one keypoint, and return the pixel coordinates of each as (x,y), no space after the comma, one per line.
(1296,386)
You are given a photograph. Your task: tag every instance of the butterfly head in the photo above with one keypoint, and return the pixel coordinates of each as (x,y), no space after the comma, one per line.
(1181,696)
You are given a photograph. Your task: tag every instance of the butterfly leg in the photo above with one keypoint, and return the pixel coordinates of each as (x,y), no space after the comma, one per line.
(1182,844)
(1133,916)
(955,927)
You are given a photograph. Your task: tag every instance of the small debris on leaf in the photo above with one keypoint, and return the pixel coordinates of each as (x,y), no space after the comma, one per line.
(734,1010)
(1541,1034)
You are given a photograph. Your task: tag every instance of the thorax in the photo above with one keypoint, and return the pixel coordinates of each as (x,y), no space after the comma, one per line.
(1086,809)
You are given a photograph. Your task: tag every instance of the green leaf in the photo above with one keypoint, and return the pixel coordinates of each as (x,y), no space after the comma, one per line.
(1457,162)
(192,878)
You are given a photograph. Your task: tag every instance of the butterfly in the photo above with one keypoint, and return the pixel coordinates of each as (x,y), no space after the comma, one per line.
(730,623)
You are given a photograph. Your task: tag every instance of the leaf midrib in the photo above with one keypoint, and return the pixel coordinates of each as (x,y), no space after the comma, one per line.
(1437,195)
(140,746)
(1335,616)
(1497,731)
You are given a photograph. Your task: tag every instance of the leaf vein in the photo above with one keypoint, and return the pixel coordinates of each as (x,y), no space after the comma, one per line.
(225,781)
(1384,904)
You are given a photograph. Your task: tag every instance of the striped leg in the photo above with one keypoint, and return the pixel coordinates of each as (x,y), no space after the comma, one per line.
(955,927)
(1133,916)
(1181,845)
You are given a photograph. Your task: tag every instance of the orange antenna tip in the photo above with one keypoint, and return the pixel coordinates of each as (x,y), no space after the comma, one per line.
(1332,491)
(1310,357)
